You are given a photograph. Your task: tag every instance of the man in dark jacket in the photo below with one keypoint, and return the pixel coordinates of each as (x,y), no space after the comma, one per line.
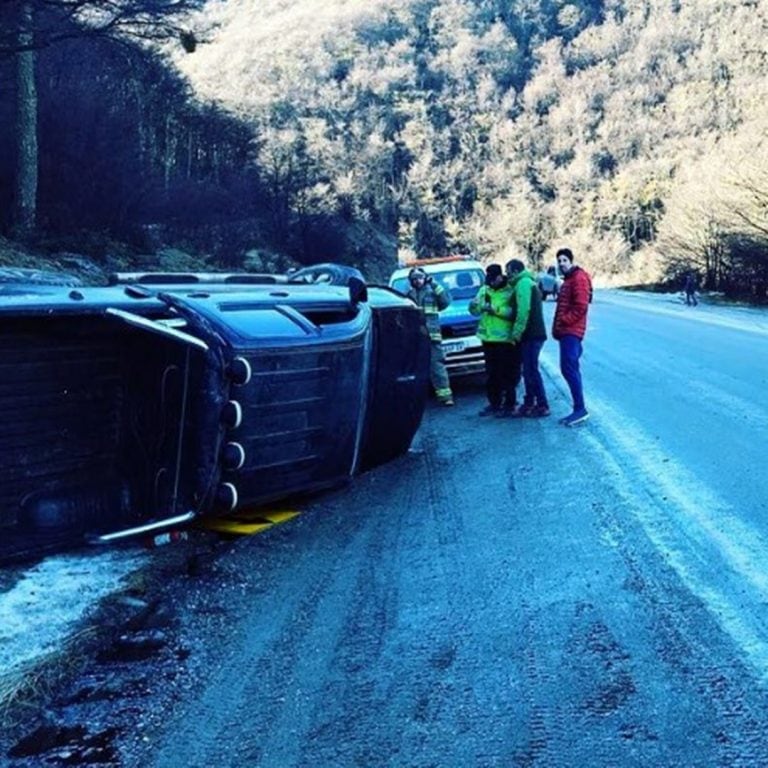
(690,289)
(432,298)
(529,331)
(569,327)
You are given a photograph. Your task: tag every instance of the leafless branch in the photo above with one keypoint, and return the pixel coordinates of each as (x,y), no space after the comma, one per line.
(57,21)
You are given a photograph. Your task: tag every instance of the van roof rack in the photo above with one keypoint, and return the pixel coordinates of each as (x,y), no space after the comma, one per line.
(435,260)
(190,278)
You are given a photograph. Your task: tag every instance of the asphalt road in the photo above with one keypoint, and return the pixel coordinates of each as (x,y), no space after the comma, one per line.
(510,593)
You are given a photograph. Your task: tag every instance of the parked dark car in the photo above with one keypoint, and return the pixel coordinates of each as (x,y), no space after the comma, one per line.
(549,282)
(138,407)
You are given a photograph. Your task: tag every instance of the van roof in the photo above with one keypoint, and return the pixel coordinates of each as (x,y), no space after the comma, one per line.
(433,260)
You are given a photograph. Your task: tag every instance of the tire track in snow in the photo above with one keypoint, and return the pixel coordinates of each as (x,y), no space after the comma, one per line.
(685,647)
(718,556)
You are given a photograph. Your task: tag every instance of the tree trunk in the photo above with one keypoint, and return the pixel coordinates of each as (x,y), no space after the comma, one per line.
(25,182)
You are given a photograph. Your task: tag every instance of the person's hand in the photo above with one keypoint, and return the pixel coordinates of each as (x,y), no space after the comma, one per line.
(428,280)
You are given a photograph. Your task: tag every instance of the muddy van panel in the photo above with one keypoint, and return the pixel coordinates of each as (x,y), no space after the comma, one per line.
(93,426)
(399,378)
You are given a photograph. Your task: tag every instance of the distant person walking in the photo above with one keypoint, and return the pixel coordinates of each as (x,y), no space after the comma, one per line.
(569,327)
(690,289)
(529,331)
(432,298)
(502,359)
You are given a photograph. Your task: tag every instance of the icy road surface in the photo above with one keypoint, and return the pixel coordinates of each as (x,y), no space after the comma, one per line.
(511,593)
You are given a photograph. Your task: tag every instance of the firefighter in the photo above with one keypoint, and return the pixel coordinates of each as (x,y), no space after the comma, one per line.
(432,298)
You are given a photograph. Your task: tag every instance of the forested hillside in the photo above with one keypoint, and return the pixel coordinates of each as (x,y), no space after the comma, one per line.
(632,130)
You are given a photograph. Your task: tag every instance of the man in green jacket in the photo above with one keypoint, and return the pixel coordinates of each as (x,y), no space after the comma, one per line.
(529,331)
(432,298)
(502,362)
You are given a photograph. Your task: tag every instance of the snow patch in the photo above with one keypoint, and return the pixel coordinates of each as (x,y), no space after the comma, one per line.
(749,319)
(48,601)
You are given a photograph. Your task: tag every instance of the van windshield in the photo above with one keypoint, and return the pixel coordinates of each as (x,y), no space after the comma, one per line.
(461,283)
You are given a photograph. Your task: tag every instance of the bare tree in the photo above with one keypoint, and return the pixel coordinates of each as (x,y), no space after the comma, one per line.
(25,187)
(53,21)
(37,24)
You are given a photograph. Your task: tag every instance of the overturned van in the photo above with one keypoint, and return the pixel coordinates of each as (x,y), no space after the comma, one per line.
(141,406)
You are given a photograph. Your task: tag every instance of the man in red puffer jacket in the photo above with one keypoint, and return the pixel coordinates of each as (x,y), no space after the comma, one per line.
(569,327)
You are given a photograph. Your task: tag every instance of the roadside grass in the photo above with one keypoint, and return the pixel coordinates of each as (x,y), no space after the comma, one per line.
(27,687)
(92,266)
(12,256)
(650,287)
(24,688)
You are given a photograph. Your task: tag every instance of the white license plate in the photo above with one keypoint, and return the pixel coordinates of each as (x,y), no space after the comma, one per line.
(452,347)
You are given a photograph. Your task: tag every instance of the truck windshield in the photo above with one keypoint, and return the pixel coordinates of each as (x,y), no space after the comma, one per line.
(461,283)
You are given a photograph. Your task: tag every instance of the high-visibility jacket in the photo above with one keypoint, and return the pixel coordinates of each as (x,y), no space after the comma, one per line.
(495,326)
(432,298)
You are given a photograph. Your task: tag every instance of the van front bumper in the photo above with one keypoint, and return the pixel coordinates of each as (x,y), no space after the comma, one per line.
(464,356)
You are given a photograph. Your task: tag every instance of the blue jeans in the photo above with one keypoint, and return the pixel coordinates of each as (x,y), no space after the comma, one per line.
(534,386)
(570,352)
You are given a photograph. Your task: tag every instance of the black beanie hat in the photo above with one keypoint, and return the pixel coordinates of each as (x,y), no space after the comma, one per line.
(492,271)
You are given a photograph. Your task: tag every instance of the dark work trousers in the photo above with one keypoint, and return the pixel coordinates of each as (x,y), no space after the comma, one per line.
(570,352)
(502,367)
(534,385)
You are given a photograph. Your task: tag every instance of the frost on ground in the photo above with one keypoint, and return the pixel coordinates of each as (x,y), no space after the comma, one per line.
(740,318)
(47,601)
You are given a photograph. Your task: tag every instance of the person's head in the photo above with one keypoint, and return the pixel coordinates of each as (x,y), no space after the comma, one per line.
(417,277)
(564,260)
(493,275)
(514,267)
